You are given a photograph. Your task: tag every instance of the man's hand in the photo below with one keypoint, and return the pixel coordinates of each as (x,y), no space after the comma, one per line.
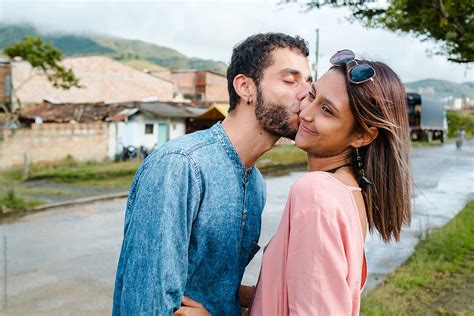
(190,307)
(246,294)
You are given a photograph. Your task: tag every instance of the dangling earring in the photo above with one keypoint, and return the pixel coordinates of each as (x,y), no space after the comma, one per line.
(248,101)
(363,180)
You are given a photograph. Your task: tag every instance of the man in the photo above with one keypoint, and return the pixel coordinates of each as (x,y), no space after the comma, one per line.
(193,213)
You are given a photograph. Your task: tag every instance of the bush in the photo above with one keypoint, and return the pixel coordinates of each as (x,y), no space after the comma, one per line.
(458,119)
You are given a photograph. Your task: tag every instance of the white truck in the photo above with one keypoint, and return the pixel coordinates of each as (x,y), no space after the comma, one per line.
(427,118)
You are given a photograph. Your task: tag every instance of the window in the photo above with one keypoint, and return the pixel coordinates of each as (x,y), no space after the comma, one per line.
(148,128)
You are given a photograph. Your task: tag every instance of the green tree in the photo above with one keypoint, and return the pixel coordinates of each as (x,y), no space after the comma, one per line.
(449,22)
(43,57)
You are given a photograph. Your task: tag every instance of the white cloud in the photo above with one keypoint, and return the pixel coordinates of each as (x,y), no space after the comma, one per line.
(209,29)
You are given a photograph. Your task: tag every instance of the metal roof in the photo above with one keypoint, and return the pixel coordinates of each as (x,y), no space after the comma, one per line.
(162,109)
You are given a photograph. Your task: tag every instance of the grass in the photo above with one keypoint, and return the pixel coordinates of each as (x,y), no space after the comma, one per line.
(438,279)
(422,144)
(107,175)
(10,202)
(42,191)
(282,158)
(104,174)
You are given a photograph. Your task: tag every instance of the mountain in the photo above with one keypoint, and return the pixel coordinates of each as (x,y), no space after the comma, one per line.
(132,52)
(442,88)
(469,84)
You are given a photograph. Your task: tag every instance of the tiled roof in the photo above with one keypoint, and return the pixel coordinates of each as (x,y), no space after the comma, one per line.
(65,113)
(90,112)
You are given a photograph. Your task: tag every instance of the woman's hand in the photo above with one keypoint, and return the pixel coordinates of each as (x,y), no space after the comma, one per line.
(190,307)
(246,294)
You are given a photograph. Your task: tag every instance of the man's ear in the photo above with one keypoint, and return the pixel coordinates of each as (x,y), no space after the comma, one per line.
(365,137)
(245,87)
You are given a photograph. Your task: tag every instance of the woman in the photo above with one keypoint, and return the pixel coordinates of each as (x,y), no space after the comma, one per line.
(354,127)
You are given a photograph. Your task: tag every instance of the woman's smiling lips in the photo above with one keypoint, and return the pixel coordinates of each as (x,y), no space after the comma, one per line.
(305,129)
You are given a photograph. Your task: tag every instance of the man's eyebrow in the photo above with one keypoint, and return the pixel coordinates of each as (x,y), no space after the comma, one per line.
(295,72)
(290,71)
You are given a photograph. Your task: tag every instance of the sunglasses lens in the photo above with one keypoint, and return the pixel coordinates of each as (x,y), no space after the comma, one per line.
(361,73)
(342,57)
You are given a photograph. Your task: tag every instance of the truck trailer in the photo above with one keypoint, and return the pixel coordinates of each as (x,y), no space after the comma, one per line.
(427,118)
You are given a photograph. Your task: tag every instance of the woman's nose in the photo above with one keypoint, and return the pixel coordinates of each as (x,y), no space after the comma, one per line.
(305,111)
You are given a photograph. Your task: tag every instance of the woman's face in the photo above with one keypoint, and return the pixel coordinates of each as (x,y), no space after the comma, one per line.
(326,120)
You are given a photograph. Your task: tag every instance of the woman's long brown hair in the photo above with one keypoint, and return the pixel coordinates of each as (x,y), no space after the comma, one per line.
(381,103)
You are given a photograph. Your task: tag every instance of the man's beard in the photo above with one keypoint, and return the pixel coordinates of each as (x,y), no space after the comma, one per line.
(274,118)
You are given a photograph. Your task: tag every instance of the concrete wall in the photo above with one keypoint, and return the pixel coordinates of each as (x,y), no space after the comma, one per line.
(50,142)
(133,133)
(177,128)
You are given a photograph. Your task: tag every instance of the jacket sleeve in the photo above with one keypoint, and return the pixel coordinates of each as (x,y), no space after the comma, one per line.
(317,266)
(152,271)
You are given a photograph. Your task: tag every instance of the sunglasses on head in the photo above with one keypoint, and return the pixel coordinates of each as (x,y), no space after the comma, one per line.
(357,74)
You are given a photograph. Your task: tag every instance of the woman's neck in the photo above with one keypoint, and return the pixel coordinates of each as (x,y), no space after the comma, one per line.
(329,163)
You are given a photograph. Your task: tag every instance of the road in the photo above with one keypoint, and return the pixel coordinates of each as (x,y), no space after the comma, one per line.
(63,261)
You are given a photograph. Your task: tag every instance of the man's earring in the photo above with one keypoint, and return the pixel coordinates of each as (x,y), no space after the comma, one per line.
(248,101)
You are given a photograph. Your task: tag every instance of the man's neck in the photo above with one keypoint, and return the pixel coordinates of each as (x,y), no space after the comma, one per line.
(328,163)
(249,139)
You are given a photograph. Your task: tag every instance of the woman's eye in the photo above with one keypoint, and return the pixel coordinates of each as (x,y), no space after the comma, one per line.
(289,81)
(326,109)
(311,95)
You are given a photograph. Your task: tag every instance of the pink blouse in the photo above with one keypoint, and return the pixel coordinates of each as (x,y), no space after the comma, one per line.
(315,263)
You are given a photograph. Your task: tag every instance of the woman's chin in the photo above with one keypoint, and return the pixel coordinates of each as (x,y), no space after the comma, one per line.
(299,143)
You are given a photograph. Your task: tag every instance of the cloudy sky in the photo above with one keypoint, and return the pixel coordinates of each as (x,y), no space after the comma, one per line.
(209,29)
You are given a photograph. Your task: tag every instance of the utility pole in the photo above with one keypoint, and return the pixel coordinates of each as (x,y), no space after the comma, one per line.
(315,65)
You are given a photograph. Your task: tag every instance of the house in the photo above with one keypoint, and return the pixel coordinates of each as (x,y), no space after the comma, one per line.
(138,124)
(102,79)
(208,117)
(198,85)
(148,125)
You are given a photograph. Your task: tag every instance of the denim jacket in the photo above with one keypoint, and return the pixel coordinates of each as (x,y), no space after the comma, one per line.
(192,224)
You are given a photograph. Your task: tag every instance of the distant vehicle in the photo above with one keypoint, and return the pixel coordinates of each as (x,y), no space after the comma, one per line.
(427,118)
(128,153)
(460,136)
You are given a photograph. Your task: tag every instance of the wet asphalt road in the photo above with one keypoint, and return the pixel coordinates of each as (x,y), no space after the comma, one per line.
(63,261)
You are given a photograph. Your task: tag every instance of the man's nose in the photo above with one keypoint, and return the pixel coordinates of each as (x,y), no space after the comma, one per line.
(303,92)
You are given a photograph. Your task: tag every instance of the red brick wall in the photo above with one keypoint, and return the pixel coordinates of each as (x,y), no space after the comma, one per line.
(50,142)
(216,88)
(5,70)
(211,86)
(184,81)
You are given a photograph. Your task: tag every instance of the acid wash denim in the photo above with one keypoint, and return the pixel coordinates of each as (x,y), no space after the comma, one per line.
(192,224)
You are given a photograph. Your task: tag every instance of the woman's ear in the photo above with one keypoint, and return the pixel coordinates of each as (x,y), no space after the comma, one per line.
(244,86)
(365,137)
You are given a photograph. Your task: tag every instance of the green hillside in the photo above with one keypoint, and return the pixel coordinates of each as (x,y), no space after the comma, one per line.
(442,88)
(469,84)
(117,48)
